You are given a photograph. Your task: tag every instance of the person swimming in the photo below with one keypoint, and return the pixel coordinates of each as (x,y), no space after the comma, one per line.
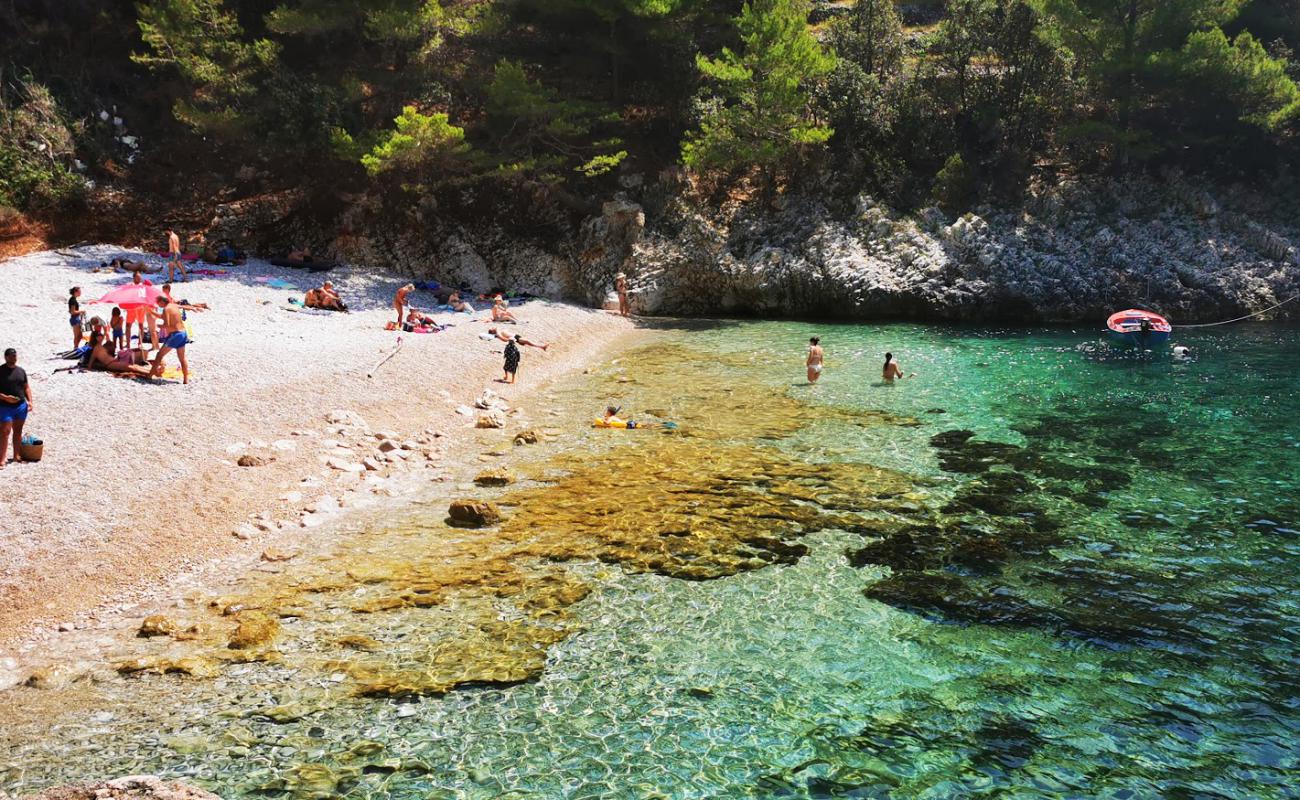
(612,420)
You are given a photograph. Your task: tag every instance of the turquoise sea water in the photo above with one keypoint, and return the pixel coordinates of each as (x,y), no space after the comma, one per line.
(1091,592)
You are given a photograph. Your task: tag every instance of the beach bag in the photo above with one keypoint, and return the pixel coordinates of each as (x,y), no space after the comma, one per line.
(31,448)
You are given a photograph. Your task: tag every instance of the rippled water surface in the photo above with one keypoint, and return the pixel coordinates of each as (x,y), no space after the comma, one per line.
(1040,568)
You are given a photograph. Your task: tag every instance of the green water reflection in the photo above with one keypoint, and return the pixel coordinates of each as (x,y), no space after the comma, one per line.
(1089,590)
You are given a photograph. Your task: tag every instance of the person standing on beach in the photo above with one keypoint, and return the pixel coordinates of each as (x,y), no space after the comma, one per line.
(139,316)
(512,361)
(815,358)
(399,302)
(75,316)
(176,340)
(174,261)
(620,286)
(15,404)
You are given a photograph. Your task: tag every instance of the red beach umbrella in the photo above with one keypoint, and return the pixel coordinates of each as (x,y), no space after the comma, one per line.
(132,295)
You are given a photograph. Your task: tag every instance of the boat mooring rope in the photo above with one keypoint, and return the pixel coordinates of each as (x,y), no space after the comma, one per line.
(1238,319)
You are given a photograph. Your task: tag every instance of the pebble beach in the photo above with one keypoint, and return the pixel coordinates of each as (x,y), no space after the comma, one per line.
(140,483)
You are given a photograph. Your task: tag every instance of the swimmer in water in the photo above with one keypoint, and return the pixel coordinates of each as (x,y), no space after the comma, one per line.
(1182,352)
(892,370)
(612,420)
(815,359)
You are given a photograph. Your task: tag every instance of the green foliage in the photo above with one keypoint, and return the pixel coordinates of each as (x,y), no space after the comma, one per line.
(762,112)
(1123,49)
(419,145)
(1240,76)
(537,131)
(204,45)
(36,150)
(390,22)
(955,185)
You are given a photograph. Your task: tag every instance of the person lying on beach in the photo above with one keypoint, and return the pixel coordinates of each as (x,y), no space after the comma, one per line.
(399,301)
(459,305)
(493,333)
(299,255)
(501,311)
(106,359)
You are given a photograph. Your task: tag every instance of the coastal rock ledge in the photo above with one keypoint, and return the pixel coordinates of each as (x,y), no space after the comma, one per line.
(131,787)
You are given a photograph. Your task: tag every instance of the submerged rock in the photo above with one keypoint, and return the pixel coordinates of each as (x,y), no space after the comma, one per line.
(253,629)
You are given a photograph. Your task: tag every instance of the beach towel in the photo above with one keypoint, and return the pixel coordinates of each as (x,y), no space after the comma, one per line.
(277,283)
(168,373)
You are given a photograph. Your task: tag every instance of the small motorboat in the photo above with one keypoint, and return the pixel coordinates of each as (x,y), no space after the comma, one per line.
(1138,328)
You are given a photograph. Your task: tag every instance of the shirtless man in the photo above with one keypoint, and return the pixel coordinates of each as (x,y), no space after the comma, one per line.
(176,340)
(399,301)
(815,358)
(174,261)
(505,337)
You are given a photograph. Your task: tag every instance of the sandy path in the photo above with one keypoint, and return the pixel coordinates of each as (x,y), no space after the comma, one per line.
(139,483)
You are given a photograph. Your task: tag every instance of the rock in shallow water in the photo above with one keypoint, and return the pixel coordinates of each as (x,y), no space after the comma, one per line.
(473,514)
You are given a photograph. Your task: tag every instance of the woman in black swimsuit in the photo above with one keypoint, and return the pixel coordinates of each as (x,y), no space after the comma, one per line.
(512,361)
(74,315)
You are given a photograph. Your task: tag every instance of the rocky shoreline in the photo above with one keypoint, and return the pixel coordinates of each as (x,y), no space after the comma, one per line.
(1072,251)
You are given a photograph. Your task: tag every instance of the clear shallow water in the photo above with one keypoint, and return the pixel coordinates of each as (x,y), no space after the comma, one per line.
(1091,594)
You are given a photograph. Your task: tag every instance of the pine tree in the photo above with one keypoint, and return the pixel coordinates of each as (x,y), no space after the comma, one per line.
(761,111)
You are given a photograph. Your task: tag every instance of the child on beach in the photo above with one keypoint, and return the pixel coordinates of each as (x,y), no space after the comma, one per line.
(75,316)
(115,323)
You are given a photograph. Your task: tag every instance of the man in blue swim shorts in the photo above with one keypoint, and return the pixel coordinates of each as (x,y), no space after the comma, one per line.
(176,340)
(15,404)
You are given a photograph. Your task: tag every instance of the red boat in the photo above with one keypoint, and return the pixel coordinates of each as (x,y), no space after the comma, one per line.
(1138,328)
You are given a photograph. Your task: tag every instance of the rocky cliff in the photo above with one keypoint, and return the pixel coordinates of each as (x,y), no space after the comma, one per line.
(1072,251)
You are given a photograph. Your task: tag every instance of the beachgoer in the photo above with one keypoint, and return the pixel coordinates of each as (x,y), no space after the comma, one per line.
(501,310)
(493,333)
(15,404)
(185,305)
(457,304)
(75,316)
(299,255)
(174,261)
(176,339)
(116,325)
(612,420)
(620,286)
(1182,352)
(399,301)
(97,326)
(418,320)
(512,362)
(104,356)
(140,316)
(815,359)
(325,297)
(892,370)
